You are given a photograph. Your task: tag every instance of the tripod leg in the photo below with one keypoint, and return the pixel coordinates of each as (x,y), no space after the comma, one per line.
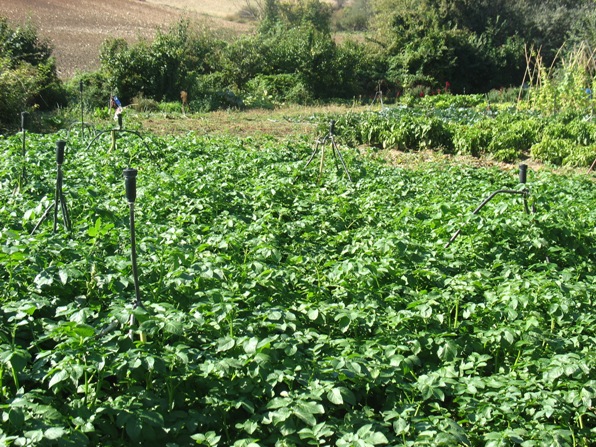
(65,213)
(321,164)
(336,149)
(43,217)
(312,156)
(57,200)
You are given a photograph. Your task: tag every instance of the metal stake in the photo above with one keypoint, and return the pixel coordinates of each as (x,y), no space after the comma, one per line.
(24,126)
(130,182)
(82,109)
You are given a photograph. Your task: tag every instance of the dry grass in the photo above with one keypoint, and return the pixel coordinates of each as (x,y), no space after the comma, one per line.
(281,123)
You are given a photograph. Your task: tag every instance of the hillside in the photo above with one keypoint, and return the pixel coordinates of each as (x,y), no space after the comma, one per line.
(77,28)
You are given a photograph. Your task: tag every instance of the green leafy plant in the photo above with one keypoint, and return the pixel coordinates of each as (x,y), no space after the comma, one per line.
(280,310)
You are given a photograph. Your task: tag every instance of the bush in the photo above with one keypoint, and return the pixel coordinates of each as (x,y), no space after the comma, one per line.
(96,90)
(17,86)
(279,88)
(471,139)
(28,78)
(211,92)
(552,150)
(159,69)
(354,17)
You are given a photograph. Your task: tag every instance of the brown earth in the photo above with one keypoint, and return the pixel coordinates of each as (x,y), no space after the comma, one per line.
(77,28)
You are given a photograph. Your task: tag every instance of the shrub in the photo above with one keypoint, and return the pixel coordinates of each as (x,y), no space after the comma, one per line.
(17,86)
(28,77)
(552,150)
(279,88)
(581,156)
(211,92)
(471,139)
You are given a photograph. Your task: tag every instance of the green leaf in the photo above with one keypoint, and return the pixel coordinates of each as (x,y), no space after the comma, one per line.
(225,344)
(54,433)
(335,396)
(63,275)
(306,410)
(134,426)
(250,346)
(57,378)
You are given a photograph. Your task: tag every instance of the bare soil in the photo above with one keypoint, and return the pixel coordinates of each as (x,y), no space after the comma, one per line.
(77,28)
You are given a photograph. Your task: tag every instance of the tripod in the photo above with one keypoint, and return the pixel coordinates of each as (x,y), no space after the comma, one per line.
(378,95)
(59,200)
(336,153)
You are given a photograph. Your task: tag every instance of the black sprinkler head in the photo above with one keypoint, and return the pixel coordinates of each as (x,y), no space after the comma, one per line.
(523,173)
(24,120)
(60,144)
(130,181)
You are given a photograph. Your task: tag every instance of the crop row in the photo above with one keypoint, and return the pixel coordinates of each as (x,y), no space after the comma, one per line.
(505,135)
(283,311)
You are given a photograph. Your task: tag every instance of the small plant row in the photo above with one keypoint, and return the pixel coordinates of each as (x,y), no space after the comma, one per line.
(502,134)
(279,311)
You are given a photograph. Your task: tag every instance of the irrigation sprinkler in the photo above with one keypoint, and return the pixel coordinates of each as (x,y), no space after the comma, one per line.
(82,109)
(525,192)
(83,124)
(114,132)
(320,143)
(59,200)
(24,127)
(130,183)
(378,95)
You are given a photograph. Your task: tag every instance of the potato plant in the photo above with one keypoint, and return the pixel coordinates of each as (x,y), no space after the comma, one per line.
(503,134)
(279,310)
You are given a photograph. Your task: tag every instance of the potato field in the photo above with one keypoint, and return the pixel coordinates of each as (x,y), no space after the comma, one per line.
(280,304)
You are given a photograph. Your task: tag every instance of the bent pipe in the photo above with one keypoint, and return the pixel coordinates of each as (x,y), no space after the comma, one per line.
(523,192)
(120,130)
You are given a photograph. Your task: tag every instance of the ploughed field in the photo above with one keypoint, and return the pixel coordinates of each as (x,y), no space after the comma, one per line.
(77,28)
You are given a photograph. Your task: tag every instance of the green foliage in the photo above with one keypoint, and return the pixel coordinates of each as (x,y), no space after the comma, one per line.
(289,14)
(281,311)
(28,78)
(354,17)
(566,87)
(159,69)
(477,46)
(21,44)
(442,123)
(17,86)
(270,90)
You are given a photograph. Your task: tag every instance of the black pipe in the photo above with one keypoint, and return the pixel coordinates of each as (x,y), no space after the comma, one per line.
(82,109)
(523,192)
(58,196)
(24,121)
(130,182)
(24,127)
